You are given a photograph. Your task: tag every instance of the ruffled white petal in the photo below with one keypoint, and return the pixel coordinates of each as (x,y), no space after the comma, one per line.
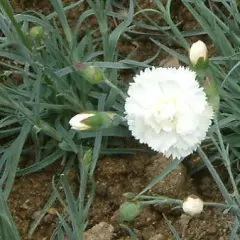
(168,110)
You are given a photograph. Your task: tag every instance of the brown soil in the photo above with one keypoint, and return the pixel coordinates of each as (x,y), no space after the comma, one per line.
(28,197)
(116,176)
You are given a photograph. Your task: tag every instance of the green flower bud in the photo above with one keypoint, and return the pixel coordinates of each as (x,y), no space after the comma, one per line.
(93,120)
(92,74)
(129,211)
(76,122)
(87,157)
(36,33)
(211,91)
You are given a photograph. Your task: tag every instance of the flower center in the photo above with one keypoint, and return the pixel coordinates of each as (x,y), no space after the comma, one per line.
(165,112)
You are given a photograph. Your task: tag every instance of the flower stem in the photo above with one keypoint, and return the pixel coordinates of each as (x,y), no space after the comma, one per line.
(160,202)
(226,160)
(8,10)
(158,178)
(216,177)
(119,91)
(82,194)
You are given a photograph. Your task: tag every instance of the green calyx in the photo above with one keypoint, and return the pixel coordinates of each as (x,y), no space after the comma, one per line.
(36,33)
(129,211)
(201,64)
(210,88)
(93,75)
(102,120)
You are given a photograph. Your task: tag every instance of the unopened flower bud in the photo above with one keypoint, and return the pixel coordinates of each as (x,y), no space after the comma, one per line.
(128,211)
(198,53)
(210,88)
(192,205)
(36,32)
(87,158)
(92,74)
(77,123)
(93,120)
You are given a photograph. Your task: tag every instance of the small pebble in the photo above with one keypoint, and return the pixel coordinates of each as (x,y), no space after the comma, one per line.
(101,231)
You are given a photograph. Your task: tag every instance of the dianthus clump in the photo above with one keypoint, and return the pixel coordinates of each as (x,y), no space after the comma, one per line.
(168,110)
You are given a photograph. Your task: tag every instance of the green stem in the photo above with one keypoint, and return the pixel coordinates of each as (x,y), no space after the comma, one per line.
(119,91)
(8,9)
(81,197)
(216,177)
(160,202)
(96,150)
(158,178)
(149,200)
(99,10)
(63,20)
(224,154)
(213,204)
(233,208)
(167,17)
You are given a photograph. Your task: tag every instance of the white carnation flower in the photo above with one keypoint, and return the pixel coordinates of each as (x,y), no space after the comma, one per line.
(168,110)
